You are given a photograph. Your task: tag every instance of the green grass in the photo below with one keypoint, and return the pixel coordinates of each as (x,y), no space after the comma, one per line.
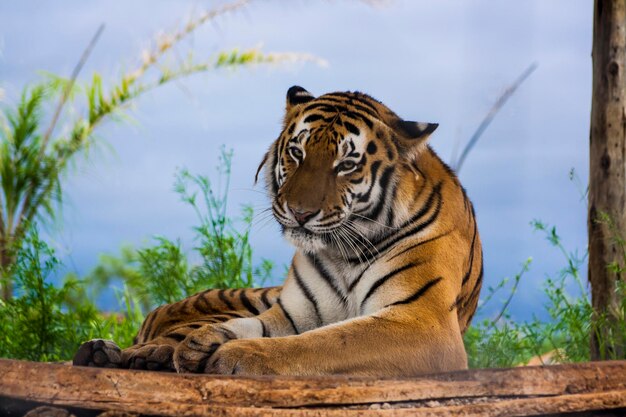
(43,322)
(503,342)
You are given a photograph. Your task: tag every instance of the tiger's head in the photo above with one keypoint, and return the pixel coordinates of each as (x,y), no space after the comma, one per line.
(330,172)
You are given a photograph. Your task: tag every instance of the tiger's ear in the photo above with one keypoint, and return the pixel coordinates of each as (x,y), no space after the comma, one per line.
(297,95)
(416,130)
(412,137)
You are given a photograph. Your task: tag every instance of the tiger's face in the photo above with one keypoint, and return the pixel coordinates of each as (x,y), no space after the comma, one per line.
(331,168)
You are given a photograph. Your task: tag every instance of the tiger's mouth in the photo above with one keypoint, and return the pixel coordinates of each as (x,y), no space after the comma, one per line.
(302,231)
(307,240)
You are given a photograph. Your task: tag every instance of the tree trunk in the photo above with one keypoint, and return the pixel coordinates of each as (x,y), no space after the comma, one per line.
(6,261)
(606,221)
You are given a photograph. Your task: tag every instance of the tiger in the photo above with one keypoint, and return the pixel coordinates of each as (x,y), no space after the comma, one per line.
(386,274)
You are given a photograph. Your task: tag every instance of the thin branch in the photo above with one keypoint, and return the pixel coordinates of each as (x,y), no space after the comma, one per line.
(513,291)
(24,217)
(492,113)
(167,41)
(68,88)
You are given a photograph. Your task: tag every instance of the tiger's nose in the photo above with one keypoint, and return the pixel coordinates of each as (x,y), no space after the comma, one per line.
(301,216)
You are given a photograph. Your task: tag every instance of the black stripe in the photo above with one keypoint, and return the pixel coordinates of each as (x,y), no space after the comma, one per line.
(357,279)
(179,337)
(264,299)
(466,201)
(467,323)
(212,318)
(202,305)
(227,334)
(476,289)
(265,332)
(321,106)
(390,211)
(355,115)
(418,228)
(146,329)
(232,314)
(433,198)
(338,109)
(373,113)
(423,242)
(353,101)
(373,172)
(246,303)
(202,364)
(417,294)
(182,307)
(471,257)
(352,128)
(447,168)
(222,296)
(195,325)
(326,277)
(356,112)
(288,316)
(313,117)
(279,148)
(396,237)
(347,104)
(308,294)
(384,182)
(384,279)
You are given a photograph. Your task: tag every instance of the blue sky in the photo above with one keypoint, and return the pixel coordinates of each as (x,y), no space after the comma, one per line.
(444,61)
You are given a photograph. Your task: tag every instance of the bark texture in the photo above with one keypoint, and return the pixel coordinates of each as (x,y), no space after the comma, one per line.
(596,388)
(607,168)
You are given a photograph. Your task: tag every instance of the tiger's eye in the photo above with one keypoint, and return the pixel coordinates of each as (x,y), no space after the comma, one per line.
(296,153)
(346,165)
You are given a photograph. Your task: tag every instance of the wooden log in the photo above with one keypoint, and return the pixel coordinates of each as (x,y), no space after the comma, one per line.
(490,392)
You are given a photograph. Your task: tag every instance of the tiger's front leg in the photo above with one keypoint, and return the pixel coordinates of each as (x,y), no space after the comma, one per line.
(165,327)
(291,314)
(196,352)
(401,341)
(395,336)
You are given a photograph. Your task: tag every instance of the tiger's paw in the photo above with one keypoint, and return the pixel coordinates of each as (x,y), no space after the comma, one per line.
(242,357)
(150,357)
(192,354)
(99,353)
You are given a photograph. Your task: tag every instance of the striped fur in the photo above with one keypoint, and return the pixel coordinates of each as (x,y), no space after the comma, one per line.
(388,266)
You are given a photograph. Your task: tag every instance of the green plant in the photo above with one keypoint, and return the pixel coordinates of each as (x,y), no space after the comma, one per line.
(48,323)
(502,342)
(225,251)
(498,342)
(162,273)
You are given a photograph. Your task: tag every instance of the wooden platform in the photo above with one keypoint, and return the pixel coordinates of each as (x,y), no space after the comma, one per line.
(592,389)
